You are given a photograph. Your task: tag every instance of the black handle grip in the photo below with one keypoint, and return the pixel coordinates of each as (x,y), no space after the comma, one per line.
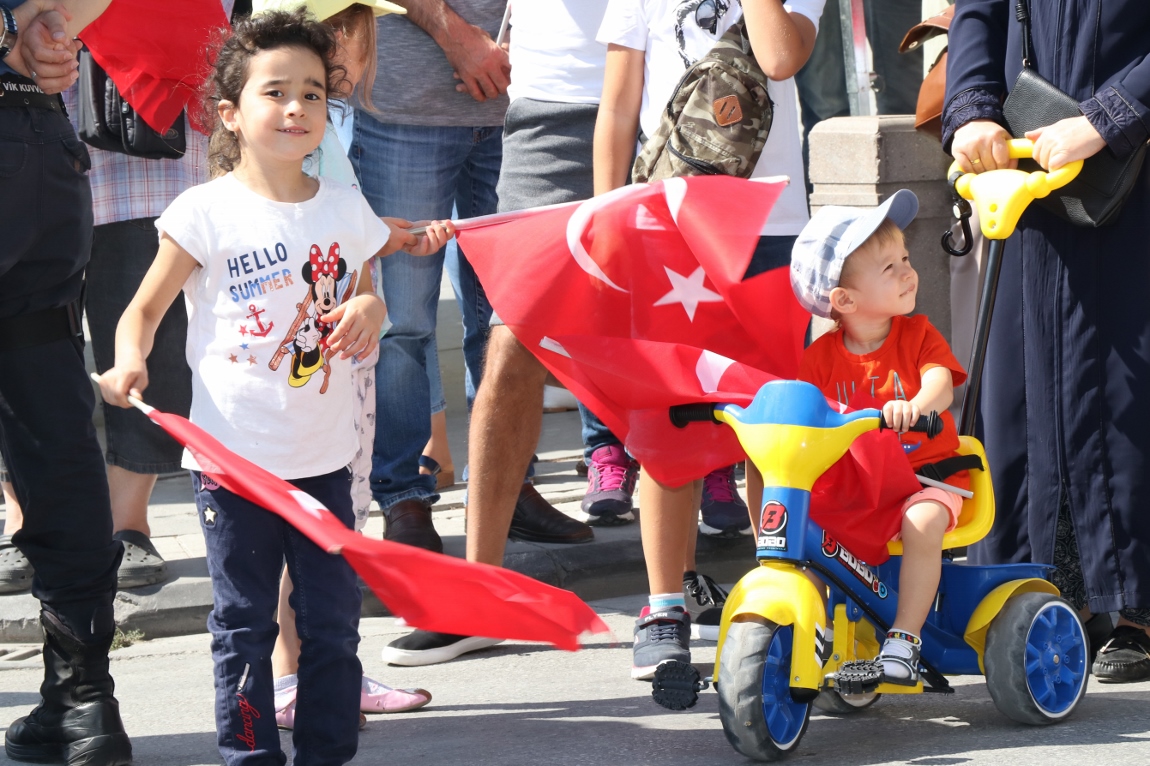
(682,414)
(929,423)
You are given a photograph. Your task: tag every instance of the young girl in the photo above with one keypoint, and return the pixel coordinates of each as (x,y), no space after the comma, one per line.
(354,27)
(272,263)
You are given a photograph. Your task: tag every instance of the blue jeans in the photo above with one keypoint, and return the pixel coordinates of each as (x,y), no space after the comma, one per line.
(418,172)
(245,594)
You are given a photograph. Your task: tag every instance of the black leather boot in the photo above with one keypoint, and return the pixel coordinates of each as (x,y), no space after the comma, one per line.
(78,720)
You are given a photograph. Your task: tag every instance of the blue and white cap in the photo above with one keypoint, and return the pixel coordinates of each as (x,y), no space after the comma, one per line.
(833,233)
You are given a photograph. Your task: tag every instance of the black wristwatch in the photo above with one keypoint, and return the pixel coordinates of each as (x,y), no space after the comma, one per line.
(8,36)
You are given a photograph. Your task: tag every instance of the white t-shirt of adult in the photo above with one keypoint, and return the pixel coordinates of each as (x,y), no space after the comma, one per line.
(676,33)
(260,384)
(554,54)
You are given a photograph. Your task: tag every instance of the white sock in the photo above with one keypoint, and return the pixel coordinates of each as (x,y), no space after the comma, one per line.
(285,690)
(900,643)
(660,601)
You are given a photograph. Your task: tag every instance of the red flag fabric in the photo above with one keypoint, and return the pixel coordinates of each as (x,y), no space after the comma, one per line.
(429,590)
(157,53)
(635,300)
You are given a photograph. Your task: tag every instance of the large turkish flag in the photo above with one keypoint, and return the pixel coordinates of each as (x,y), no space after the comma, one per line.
(636,301)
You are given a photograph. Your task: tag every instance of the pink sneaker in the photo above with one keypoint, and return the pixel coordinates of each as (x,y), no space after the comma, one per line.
(611,481)
(375,697)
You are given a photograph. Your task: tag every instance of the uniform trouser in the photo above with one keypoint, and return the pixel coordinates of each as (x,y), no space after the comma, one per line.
(46,399)
(246,550)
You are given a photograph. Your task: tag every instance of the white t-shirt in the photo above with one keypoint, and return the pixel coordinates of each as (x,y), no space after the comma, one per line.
(554,55)
(251,308)
(669,32)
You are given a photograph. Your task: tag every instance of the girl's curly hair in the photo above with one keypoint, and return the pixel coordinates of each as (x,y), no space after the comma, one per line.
(265,32)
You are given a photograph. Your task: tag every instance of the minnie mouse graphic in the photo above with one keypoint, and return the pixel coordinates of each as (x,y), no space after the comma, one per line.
(306,339)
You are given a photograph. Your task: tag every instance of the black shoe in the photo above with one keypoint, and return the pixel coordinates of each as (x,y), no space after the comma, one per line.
(423,647)
(142,563)
(537,521)
(78,720)
(1125,658)
(409,522)
(15,569)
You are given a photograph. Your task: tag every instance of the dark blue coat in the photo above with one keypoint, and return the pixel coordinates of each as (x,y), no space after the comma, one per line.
(1065,406)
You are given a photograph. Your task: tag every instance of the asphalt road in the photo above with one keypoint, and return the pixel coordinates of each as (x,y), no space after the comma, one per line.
(529,704)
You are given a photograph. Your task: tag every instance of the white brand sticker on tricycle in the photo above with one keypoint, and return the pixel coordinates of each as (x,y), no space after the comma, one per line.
(832,548)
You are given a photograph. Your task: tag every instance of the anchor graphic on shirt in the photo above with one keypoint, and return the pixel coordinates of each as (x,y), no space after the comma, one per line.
(256,316)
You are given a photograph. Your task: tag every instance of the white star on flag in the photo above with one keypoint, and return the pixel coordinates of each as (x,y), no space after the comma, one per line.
(688,291)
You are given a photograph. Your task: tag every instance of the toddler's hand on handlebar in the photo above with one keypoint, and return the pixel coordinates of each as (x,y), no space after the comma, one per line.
(122,381)
(900,415)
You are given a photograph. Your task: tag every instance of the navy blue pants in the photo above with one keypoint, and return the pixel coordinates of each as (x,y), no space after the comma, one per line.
(247,547)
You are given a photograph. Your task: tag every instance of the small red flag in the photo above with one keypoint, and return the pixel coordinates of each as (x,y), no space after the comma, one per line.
(157,54)
(429,590)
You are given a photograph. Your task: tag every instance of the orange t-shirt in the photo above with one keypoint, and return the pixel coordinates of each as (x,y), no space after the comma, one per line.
(892,372)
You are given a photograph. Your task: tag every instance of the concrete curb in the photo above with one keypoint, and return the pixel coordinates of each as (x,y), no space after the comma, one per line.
(612,565)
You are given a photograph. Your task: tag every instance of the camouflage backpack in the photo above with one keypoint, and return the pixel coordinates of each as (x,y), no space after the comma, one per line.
(717,120)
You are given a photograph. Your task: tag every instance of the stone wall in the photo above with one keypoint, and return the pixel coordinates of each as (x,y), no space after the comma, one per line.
(861,161)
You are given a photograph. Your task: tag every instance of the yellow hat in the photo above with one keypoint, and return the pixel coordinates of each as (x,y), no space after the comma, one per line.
(323,9)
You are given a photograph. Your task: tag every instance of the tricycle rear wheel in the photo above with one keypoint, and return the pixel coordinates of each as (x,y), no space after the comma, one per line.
(760,717)
(1037,659)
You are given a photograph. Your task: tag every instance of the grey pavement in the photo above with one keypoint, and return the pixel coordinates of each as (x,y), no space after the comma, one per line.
(530,704)
(610,566)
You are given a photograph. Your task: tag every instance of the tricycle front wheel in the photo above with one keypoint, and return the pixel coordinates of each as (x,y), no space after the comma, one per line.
(1037,659)
(760,717)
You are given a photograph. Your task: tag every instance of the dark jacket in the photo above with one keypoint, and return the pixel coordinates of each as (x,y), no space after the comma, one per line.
(1094,50)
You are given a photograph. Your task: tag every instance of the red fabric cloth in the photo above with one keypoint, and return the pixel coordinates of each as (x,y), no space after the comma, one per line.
(429,590)
(636,302)
(157,54)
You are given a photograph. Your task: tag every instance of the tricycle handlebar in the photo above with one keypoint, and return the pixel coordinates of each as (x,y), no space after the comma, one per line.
(682,414)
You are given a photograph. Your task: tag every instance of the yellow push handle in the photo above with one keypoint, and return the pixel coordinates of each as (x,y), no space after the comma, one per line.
(1001,196)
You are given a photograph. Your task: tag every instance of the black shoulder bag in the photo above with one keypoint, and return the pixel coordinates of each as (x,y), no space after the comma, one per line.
(106,121)
(1096,196)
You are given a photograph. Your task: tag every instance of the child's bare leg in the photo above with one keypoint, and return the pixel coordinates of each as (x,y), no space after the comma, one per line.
(665,535)
(923,526)
(692,522)
(754,495)
(285,655)
(13,513)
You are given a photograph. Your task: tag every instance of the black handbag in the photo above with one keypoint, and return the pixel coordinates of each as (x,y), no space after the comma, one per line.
(106,121)
(1096,196)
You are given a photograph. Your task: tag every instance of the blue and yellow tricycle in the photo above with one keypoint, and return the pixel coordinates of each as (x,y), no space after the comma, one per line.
(784,633)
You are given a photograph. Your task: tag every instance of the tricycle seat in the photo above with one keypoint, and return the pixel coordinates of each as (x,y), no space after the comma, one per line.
(977,515)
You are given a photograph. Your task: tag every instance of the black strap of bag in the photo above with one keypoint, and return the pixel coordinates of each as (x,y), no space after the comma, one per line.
(1096,196)
(106,121)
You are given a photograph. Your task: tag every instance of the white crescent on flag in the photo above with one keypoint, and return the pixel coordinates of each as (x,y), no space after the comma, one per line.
(709,370)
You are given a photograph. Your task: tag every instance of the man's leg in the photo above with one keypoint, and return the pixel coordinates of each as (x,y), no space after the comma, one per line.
(410,172)
(137,451)
(505,427)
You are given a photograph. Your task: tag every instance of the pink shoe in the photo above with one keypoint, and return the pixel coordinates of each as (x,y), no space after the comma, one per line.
(375,697)
(285,716)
